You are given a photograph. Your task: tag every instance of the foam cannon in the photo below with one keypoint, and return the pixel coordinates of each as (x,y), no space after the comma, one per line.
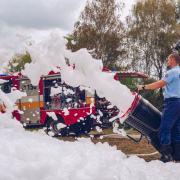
(146,119)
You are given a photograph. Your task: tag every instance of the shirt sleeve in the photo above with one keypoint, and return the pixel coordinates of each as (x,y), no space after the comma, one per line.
(168,76)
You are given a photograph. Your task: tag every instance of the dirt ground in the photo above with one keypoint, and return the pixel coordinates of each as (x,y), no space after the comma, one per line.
(126,145)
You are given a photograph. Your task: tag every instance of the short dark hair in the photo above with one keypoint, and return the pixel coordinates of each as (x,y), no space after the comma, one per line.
(176,56)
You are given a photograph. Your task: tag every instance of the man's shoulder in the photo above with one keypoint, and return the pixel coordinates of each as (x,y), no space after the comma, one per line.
(169,73)
(173,70)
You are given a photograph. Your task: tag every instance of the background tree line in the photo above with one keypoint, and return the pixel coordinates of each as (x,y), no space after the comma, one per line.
(141,43)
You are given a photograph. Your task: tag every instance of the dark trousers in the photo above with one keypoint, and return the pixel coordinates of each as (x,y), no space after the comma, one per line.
(170,123)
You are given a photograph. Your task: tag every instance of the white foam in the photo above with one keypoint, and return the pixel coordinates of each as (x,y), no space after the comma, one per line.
(31,155)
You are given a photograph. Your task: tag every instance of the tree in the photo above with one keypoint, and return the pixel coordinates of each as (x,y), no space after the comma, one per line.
(17,63)
(177,12)
(152,33)
(100,30)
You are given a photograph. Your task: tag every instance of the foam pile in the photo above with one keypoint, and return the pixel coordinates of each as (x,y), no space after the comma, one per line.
(31,156)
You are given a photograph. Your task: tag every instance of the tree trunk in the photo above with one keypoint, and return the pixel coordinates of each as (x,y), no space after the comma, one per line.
(160,90)
(161,93)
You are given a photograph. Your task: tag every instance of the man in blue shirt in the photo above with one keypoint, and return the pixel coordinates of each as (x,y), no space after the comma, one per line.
(169,133)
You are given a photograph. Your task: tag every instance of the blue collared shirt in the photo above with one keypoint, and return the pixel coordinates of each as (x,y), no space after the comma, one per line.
(172,77)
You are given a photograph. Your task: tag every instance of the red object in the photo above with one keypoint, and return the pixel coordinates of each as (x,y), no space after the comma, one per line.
(105,69)
(127,112)
(74,114)
(116,78)
(128,74)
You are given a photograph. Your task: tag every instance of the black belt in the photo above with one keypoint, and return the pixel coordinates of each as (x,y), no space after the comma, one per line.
(172,99)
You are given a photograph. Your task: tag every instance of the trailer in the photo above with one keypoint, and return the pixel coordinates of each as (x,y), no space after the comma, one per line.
(70,107)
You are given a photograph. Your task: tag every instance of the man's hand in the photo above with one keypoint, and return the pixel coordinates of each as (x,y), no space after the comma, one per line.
(140,87)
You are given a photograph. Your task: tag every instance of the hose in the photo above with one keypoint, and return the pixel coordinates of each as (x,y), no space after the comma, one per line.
(143,154)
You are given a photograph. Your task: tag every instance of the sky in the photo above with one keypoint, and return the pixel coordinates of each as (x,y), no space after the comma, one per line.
(38,17)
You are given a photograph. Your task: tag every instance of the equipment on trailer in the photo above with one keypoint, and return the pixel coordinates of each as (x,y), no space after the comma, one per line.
(73,107)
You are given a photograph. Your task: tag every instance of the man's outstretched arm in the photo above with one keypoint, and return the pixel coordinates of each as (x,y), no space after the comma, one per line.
(155,85)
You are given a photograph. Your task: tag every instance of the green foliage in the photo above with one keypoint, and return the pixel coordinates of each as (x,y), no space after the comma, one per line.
(153,96)
(131,83)
(152,33)
(99,29)
(17,63)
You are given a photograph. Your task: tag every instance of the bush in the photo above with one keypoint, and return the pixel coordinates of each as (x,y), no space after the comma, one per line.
(153,96)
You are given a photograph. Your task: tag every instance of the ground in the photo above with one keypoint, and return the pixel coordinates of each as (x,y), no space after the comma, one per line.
(126,145)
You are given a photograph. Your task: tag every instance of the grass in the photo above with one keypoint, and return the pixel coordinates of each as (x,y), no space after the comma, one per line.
(128,146)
